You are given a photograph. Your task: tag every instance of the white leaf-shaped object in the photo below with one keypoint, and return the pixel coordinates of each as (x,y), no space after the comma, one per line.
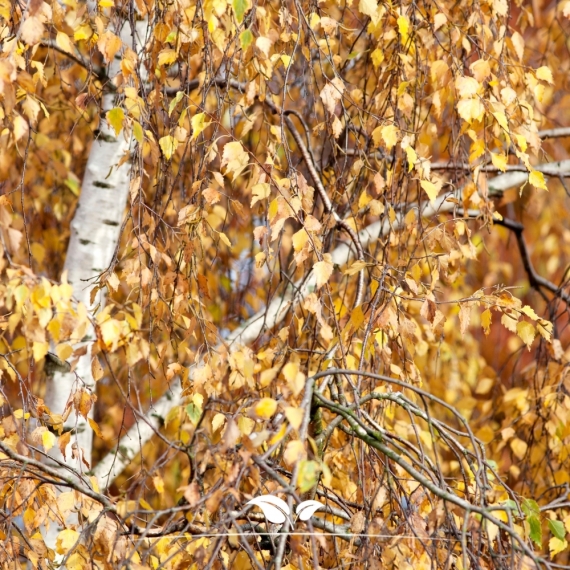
(307,509)
(275,509)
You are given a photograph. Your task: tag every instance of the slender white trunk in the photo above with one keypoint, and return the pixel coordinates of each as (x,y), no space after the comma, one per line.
(93,241)
(94,236)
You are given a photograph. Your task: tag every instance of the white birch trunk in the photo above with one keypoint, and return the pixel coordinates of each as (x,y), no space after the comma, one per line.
(95,231)
(93,241)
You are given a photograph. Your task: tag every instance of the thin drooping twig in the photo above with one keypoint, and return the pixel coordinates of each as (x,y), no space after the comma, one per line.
(132,442)
(311,167)
(372,438)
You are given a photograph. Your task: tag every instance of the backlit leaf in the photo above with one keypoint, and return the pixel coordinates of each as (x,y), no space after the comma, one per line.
(116,117)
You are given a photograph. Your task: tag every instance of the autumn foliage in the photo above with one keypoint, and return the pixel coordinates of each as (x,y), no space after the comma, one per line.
(315,250)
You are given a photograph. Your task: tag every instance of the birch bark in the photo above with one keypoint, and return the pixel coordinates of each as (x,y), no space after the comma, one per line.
(95,231)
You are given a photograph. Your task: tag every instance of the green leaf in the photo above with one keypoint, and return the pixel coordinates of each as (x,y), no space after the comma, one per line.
(73,185)
(115,117)
(510,504)
(246,39)
(535,530)
(194,413)
(308,475)
(557,529)
(530,507)
(240,8)
(175,101)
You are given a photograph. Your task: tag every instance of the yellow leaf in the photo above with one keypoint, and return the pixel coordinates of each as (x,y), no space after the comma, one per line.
(225,239)
(218,421)
(377,57)
(198,124)
(279,435)
(529,312)
(390,136)
(501,119)
(265,408)
(545,329)
(295,378)
(300,238)
(412,157)
(21,128)
(48,440)
(323,270)
(519,447)
(555,545)
(109,44)
(536,178)
(32,30)
(470,109)
(95,427)
(404,28)
(484,386)
(294,416)
(66,540)
(63,42)
(39,350)
(166,57)
(499,161)
(84,32)
(526,332)
(158,484)
(138,132)
(295,451)
(331,94)
(260,192)
(467,87)
(355,267)
(235,158)
(430,189)
(168,145)
(486,320)
(115,117)
(370,8)
(545,74)
(439,20)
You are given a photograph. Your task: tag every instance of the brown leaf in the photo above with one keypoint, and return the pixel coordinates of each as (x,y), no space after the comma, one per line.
(32,30)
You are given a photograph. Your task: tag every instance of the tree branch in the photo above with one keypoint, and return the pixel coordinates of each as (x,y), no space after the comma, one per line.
(536,281)
(110,467)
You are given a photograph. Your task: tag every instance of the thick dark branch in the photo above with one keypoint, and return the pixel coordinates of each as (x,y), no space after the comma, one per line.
(77,58)
(536,281)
